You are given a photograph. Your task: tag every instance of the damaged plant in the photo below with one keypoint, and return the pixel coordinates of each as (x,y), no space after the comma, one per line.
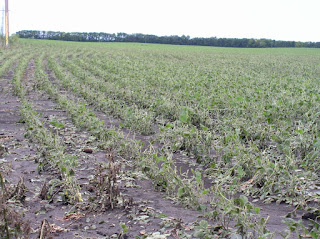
(11,222)
(105,186)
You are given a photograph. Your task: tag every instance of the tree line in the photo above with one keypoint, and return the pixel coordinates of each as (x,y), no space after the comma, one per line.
(173,39)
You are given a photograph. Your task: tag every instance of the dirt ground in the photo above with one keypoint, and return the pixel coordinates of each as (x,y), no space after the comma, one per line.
(148,213)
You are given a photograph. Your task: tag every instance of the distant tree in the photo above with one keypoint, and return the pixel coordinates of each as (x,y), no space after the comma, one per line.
(173,39)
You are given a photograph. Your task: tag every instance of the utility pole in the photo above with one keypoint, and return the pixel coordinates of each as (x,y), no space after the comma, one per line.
(2,21)
(7,23)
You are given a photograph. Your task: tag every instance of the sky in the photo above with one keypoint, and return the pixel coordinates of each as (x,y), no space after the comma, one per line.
(290,20)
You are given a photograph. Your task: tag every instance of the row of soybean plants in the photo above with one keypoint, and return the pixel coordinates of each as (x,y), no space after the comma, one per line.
(8,59)
(262,124)
(49,145)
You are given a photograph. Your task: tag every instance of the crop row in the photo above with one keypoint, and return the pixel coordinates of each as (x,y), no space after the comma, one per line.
(49,145)
(8,63)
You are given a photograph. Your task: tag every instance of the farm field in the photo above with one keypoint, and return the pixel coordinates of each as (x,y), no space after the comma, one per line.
(124,140)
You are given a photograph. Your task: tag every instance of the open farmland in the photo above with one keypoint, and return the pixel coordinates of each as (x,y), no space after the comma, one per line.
(156,141)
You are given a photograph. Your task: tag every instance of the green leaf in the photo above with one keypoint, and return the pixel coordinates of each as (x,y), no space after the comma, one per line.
(181,192)
(317,144)
(204,192)
(124,228)
(161,215)
(204,128)
(57,124)
(198,234)
(198,176)
(239,98)
(184,116)
(315,235)
(186,133)
(169,125)
(240,171)
(257,210)
(244,199)
(203,224)
(202,207)
(272,165)
(161,158)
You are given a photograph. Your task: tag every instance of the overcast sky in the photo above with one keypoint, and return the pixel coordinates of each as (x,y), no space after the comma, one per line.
(297,20)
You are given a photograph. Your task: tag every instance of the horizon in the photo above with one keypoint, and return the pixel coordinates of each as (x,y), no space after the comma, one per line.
(273,20)
(170,35)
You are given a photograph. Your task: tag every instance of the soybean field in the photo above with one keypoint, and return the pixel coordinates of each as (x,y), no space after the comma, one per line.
(131,140)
